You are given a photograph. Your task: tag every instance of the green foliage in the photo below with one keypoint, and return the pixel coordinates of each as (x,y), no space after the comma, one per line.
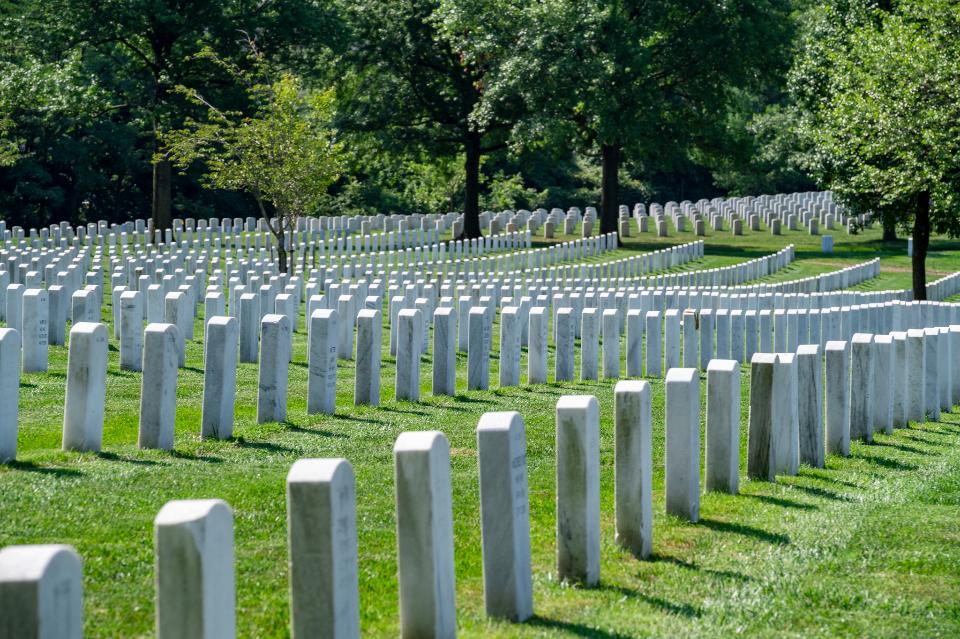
(285,154)
(881,97)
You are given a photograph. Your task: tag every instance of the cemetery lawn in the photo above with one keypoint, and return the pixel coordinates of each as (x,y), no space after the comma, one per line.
(870,545)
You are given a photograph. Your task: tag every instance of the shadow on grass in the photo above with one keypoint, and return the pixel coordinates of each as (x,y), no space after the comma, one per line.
(273,448)
(403,411)
(747,531)
(780,501)
(668,607)
(892,464)
(127,460)
(820,492)
(576,629)
(193,369)
(904,448)
(466,399)
(689,565)
(179,454)
(832,480)
(362,420)
(33,467)
(293,428)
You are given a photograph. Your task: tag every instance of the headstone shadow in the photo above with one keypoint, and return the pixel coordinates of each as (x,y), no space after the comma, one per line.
(745,530)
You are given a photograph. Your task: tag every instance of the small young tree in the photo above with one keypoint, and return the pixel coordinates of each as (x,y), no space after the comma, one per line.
(285,155)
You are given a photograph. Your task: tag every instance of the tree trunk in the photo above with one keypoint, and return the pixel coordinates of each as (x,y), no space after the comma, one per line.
(889,228)
(281,247)
(471,190)
(162,185)
(610,187)
(921,240)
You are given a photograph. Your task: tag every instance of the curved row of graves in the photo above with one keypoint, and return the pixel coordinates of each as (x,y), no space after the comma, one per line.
(347,331)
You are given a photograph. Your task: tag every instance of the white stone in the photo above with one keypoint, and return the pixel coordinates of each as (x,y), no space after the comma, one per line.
(478,357)
(86,387)
(510,332)
(9,392)
(578,489)
(194,570)
(408,355)
(41,592)
(322,363)
(682,443)
(723,426)
(634,343)
(916,371)
(177,312)
(883,391)
(671,333)
(537,346)
(633,467)
(249,327)
(366,389)
(346,319)
(36,316)
(322,545)
(589,342)
(219,377)
(786,426)
(131,330)
(931,373)
(810,404)
(837,412)
(761,460)
(424,534)
(898,380)
(563,357)
(505,516)
(611,343)
(274,368)
(654,341)
(158,390)
(861,387)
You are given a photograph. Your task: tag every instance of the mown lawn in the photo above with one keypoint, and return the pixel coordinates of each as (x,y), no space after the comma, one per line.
(866,547)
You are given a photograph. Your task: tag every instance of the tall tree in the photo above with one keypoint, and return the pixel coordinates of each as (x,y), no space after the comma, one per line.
(641,80)
(880,103)
(141,49)
(435,74)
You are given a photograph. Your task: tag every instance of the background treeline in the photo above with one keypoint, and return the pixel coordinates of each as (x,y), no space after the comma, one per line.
(469,104)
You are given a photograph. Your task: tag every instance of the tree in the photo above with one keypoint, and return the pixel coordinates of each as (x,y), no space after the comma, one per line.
(435,74)
(140,50)
(642,80)
(284,155)
(882,114)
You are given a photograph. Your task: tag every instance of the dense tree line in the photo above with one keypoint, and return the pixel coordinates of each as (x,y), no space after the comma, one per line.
(442,105)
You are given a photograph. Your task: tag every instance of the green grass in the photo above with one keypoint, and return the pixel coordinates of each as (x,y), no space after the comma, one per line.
(867,546)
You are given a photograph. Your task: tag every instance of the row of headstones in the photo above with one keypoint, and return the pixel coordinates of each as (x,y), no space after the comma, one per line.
(41,586)
(808,205)
(368,252)
(391,263)
(628,271)
(774,224)
(31,307)
(161,302)
(734,278)
(533,268)
(178,307)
